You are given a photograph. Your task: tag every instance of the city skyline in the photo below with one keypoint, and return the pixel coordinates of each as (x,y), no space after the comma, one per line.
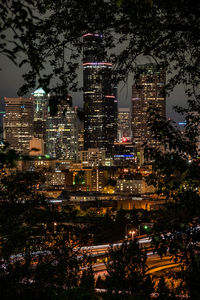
(12,80)
(99,187)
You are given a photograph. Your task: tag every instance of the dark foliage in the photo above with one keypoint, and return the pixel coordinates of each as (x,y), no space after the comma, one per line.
(48,33)
(127,271)
(38,253)
(175,165)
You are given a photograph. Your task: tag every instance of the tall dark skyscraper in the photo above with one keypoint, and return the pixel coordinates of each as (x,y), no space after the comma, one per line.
(146,91)
(100,103)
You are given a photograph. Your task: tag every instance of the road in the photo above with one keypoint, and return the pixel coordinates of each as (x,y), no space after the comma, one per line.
(156,264)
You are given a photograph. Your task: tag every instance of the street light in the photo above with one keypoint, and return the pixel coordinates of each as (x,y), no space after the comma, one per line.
(132,232)
(54,226)
(126,229)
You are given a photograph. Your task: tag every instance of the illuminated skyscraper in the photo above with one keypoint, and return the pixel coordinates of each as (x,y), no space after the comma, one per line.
(18,123)
(100,102)
(2,114)
(146,91)
(61,133)
(40,102)
(124,124)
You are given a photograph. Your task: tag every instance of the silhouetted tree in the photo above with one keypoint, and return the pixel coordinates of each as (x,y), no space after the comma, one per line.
(126,269)
(37,259)
(163,290)
(175,174)
(36,34)
(87,279)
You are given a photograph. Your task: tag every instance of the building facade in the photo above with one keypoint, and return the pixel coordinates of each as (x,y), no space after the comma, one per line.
(134,186)
(36,147)
(124,124)
(61,133)
(18,123)
(40,104)
(123,154)
(147,91)
(100,103)
(93,157)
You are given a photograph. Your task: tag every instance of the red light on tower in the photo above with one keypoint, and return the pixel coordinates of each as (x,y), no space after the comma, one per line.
(124,140)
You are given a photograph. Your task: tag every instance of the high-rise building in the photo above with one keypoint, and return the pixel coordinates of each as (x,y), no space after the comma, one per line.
(100,103)
(61,133)
(147,91)
(18,123)
(80,140)
(2,114)
(124,125)
(40,102)
(93,157)
(115,112)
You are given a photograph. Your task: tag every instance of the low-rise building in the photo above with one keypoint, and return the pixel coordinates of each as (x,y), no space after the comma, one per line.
(134,186)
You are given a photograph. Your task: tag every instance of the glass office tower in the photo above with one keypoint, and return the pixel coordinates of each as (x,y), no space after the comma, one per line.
(147,90)
(99,96)
(18,123)
(61,132)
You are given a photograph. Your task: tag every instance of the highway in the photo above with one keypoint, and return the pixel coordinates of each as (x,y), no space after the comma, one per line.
(100,250)
(104,248)
(154,262)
